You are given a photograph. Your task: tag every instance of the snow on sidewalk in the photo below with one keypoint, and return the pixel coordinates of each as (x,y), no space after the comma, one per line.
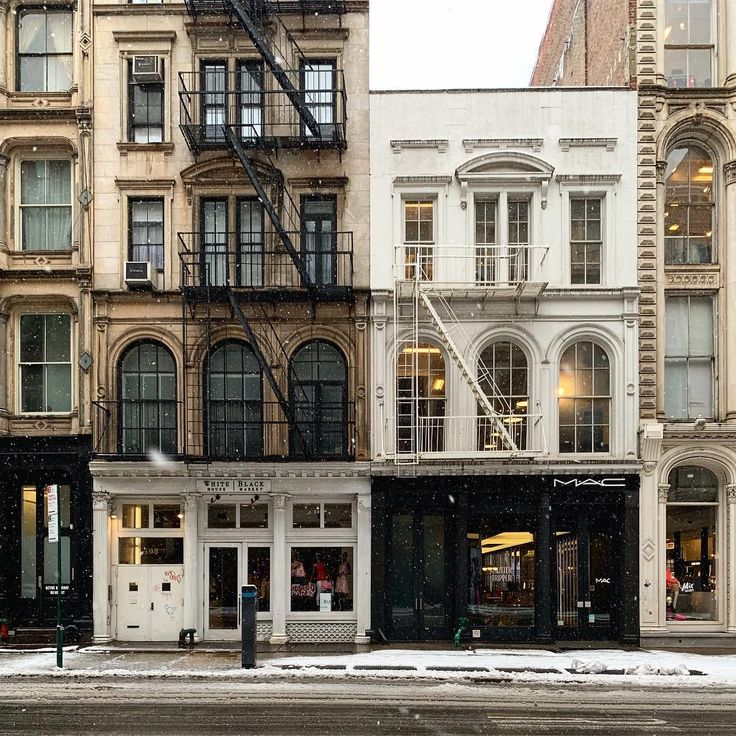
(640,667)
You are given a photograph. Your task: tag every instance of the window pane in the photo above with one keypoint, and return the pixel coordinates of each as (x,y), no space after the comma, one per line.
(338,515)
(58,73)
(151,551)
(691,483)
(306,516)
(32,338)
(58,388)
(221,516)
(32,33)
(28,542)
(675,388)
(700,387)
(58,345)
(166,516)
(701,335)
(676,325)
(31,378)
(59,33)
(259,574)
(322,579)
(135,516)
(254,516)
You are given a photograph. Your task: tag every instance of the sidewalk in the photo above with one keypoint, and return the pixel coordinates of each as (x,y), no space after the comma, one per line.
(640,667)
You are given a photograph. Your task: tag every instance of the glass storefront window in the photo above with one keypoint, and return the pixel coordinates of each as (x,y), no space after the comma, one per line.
(151,551)
(338,515)
(259,574)
(166,516)
(306,515)
(322,579)
(692,522)
(254,516)
(501,575)
(223,593)
(135,516)
(28,542)
(221,516)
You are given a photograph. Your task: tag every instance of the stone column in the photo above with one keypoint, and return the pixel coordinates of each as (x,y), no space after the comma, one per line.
(279,571)
(362,570)
(729,282)
(3,363)
(728,576)
(191,577)
(101,565)
(3,41)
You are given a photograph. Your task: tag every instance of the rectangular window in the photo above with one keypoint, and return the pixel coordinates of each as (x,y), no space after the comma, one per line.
(418,238)
(259,574)
(486,250)
(146,231)
(318,84)
(319,234)
(151,551)
(46,205)
(518,212)
(322,515)
(322,579)
(586,240)
(254,516)
(45,363)
(44,50)
(689,47)
(28,542)
(689,362)
(213,81)
(145,109)
(250,99)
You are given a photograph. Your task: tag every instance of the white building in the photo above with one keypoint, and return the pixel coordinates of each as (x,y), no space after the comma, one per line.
(504,362)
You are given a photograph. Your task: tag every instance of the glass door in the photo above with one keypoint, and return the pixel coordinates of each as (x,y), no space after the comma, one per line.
(586,580)
(419,586)
(319,223)
(222,614)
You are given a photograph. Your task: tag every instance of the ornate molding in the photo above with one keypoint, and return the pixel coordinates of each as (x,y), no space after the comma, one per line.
(731,493)
(470,144)
(692,279)
(663,491)
(661,171)
(280,500)
(444,180)
(729,172)
(648,549)
(608,143)
(364,503)
(101,501)
(587,179)
(190,500)
(439,144)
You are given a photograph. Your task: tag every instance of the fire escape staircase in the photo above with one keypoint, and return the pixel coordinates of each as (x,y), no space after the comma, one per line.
(254,17)
(468,375)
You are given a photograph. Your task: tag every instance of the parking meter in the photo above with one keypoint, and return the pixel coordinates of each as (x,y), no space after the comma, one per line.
(249,608)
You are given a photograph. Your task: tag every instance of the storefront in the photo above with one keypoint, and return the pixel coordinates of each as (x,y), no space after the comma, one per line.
(179,548)
(526,558)
(28,572)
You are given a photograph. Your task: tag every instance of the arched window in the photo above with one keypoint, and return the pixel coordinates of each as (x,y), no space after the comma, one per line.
(504,377)
(689,205)
(147,400)
(420,405)
(234,402)
(584,398)
(692,572)
(318,390)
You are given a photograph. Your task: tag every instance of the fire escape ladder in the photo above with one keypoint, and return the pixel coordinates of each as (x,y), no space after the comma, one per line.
(467,374)
(271,211)
(255,31)
(266,368)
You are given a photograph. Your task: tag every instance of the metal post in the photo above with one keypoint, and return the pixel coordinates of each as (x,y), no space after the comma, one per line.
(249,607)
(59,628)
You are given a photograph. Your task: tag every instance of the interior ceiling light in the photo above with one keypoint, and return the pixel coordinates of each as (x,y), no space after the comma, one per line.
(705,170)
(674,228)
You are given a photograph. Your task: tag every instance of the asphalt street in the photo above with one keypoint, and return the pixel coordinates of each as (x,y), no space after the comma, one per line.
(36,707)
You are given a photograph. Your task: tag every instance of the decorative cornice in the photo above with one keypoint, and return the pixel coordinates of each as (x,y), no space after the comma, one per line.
(608,143)
(439,144)
(470,144)
(319,182)
(144,36)
(693,279)
(587,179)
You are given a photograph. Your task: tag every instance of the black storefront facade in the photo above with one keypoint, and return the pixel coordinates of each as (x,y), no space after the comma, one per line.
(28,570)
(536,558)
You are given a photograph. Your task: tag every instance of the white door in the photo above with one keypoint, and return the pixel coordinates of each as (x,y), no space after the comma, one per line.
(149,602)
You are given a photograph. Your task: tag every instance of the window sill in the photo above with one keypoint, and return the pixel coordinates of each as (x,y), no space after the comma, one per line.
(165,148)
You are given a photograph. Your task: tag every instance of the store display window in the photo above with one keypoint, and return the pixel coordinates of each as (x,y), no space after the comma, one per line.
(259,574)
(322,516)
(691,574)
(322,579)
(151,516)
(237,516)
(501,557)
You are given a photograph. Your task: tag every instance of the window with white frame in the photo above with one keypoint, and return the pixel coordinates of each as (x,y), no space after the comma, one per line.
(419,237)
(689,362)
(44,61)
(689,45)
(45,204)
(45,363)
(586,240)
(322,515)
(146,230)
(502,239)
(584,398)
(145,108)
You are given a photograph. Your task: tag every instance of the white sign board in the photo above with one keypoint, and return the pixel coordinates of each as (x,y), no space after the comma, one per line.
(228,485)
(325,602)
(52,501)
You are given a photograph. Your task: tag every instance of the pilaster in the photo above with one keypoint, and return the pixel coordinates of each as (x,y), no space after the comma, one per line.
(279,568)
(729,281)
(362,570)
(4,161)
(729,579)
(190,505)
(101,566)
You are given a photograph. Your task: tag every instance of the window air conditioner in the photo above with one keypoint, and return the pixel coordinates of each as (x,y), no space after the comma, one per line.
(147,69)
(141,275)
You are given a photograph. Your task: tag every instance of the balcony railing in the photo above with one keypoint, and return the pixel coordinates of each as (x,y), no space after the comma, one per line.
(260,9)
(484,266)
(259,112)
(224,430)
(258,263)
(466,436)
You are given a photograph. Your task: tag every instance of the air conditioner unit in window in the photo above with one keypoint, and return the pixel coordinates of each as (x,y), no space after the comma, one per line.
(141,275)
(147,69)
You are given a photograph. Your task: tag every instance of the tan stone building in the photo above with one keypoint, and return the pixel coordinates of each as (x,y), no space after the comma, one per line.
(684,57)
(45,307)
(230,294)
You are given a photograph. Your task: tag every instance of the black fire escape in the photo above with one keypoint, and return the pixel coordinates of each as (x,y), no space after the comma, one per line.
(288,262)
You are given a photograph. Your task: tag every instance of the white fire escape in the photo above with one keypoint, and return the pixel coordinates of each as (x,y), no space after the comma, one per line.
(427,278)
